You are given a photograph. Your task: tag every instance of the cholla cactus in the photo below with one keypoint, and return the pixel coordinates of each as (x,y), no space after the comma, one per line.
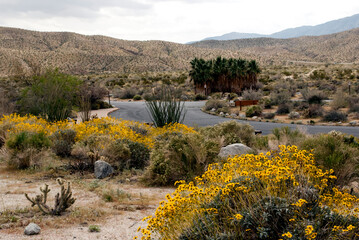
(63,199)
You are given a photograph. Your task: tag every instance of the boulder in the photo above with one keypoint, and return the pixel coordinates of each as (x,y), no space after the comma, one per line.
(32,229)
(102,169)
(234,149)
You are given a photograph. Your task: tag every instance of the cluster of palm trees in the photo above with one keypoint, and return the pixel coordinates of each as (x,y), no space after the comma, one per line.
(224,75)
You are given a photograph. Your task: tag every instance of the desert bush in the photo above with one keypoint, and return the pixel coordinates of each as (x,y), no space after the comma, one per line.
(283,108)
(266,102)
(332,152)
(313,111)
(223,110)
(230,132)
(232,96)
(340,100)
(255,110)
(118,154)
(25,148)
(281,97)
(287,136)
(253,197)
(52,96)
(252,94)
(137,97)
(216,95)
(214,103)
(140,155)
(353,103)
(334,116)
(268,115)
(200,97)
(127,93)
(62,142)
(179,156)
(313,96)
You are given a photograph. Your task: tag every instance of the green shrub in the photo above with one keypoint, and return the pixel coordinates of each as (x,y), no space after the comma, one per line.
(63,141)
(335,116)
(176,157)
(283,108)
(140,155)
(94,228)
(332,152)
(118,153)
(313,111)
(266,102)
(268,115)
(251,94)
(230,132)
(281,97)
(24,140)
(252,111)
(287,136)
(137,97)
(214,103)
(200,97)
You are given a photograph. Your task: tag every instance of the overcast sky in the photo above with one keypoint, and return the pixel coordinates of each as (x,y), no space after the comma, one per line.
(171,20)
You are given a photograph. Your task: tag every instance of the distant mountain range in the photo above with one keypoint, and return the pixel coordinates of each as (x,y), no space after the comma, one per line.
(331,27)
(79,54)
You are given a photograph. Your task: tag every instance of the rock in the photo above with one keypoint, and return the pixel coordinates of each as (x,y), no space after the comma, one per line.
(234,149)
(294,115)
(213,110)
(353,123)
(227,114)
(233,115)
(241,115)
(354,186)
(221,114)
(102,169)
(32,229)
(255,117)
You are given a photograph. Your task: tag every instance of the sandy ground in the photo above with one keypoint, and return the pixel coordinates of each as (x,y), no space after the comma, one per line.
(119,220)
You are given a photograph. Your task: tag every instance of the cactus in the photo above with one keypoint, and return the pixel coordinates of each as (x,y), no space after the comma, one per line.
(63,199)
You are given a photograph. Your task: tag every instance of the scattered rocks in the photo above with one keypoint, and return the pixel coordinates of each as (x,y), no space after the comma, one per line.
(32,229)
(294,115)
(102,169)
(234,149)
(353,123)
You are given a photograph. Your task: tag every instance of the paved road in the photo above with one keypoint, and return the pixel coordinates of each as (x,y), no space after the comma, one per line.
(195,117)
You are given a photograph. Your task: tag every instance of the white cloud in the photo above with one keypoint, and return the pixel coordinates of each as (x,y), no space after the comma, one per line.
(172,20)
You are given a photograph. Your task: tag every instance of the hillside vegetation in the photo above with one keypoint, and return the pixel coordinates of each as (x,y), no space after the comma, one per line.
(22,50)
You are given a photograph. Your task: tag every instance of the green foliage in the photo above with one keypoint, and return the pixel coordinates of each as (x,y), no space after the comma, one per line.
(230,132)
(177,156)
(281,97)
(63,141)
(137,97)
(287,136)
(283,108)
(200,97)
(333,151)
(94,228)
(52,96)
(219,74)
(140,155)
(254,110)
(166,110)
(24,140)
(335,116)
(118,153)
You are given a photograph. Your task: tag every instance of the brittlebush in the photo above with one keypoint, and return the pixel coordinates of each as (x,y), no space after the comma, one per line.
(277,195)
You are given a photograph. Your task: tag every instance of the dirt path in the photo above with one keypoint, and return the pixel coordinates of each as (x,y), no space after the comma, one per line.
(118,219)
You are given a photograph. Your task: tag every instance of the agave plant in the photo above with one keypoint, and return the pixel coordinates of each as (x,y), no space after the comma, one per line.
(167,109)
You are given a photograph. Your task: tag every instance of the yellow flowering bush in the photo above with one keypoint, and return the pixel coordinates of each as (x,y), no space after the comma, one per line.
(277,195)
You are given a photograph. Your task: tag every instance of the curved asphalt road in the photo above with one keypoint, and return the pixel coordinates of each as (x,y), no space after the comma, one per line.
(137,111)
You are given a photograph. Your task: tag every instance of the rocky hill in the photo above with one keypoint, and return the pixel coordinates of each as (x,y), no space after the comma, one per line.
(22,50)
(80,54)
(338,47)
